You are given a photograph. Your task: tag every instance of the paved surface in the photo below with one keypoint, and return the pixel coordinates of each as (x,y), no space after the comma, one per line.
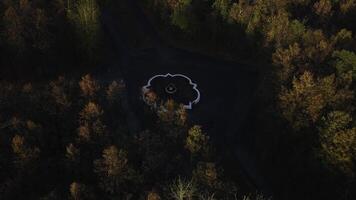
(227,88)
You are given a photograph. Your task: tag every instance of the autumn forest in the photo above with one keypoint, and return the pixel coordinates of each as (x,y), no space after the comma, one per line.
(73,124)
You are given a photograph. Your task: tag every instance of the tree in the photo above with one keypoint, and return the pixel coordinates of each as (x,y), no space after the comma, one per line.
(207,174)
(26,27)
(112,169)
(53,195)
(342,39)
(347,6)
(72,153)
(153,196)
(338,137)
(277,31)
(84,14)
(24,154)
(345,61)
(316,46)
(182,16)
(222,7)
(91,125)
(196,141)
(288,60)
(114,91)
(58,92)
(91,112)
(89,87)
(302,105)
(14,28)
(323,8)
(79,191)
(172,113)
(257,196)
(182,189)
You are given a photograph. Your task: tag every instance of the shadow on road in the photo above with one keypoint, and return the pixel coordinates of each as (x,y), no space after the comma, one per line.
(227,88)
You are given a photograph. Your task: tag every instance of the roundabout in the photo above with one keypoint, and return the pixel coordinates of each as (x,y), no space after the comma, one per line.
(177,87)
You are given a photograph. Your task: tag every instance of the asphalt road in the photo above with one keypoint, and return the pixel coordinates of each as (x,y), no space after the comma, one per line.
(227,88)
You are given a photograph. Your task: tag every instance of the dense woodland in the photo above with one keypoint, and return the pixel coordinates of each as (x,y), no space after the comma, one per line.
(66,135)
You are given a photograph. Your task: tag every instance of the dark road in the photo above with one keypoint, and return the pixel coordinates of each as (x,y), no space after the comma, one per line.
(227,88)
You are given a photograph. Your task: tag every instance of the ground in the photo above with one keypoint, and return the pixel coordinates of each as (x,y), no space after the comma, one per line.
(227,88)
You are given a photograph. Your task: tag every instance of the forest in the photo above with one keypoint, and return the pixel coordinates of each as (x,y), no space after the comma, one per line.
(67,129)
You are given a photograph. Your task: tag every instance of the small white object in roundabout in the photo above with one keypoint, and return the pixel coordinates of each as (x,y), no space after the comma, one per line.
(189,106)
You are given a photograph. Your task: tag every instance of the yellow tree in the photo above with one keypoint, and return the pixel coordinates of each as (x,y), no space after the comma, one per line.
(112,169)
(323,8)
(303,104)
(24,153)
(338,139)
(79,191)
(197,141)
(91,125)
(89,86)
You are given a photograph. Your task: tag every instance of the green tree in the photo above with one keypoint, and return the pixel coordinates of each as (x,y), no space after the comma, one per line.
(345,62)
(84,14)
(222,7)
(182,16)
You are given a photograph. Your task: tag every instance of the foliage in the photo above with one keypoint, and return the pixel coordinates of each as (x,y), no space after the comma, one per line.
(196,140)
(181,189)
(26,26)
(79,191)
(84,14)
(181,16)
(112,168)
(24,154)
(338,142)
(222,6)
(345,62)
(302,123)
(73,140)
(88,86)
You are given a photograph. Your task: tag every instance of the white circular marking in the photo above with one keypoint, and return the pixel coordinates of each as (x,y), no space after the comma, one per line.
(171,88)
(145,88)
